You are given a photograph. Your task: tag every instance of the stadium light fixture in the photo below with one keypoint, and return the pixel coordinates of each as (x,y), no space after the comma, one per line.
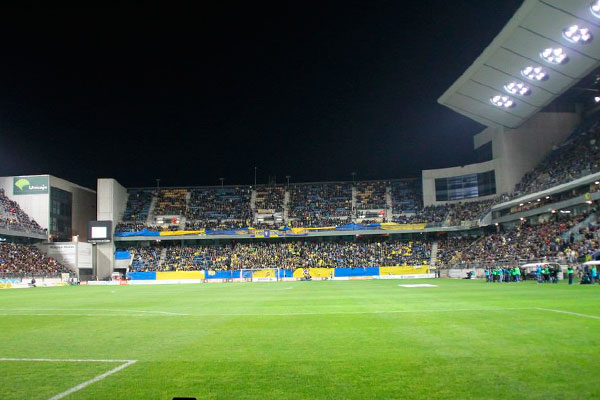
(554,55)
(595,8)
(521,205)
(576,34)
(502,101)
(534,73)
(547,197)
(517,88)
(597,99)
(597,182)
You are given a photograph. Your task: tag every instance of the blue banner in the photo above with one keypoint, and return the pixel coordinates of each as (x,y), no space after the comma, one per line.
(144,232)
(142,276)
(122,255)
(368,271)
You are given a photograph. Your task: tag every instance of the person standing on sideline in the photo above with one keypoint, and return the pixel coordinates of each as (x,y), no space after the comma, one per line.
(487,274)
(538,274)
(570,273)
(517,274)
(593,274)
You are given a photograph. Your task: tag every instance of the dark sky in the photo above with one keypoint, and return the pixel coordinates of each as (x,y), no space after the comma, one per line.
(309,90)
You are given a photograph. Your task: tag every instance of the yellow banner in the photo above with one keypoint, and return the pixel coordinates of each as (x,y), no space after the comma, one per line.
(179,233)
(314,272)
(404,270)
(264,273)
(389,226)
(5,285)
(321,228)
(179,275)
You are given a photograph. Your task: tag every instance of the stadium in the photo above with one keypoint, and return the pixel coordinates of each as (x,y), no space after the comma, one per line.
(468,281)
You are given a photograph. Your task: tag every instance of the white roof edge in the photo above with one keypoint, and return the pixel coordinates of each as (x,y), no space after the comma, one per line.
(513,23)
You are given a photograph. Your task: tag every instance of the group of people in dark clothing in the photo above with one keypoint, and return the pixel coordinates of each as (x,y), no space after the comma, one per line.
(503,274)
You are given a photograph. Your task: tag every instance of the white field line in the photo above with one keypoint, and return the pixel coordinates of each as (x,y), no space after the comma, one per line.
(568,312)
(91,309)
(126,363)
(276,314)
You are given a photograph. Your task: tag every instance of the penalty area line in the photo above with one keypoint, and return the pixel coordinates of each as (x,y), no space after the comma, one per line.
(125,364)
(568,313)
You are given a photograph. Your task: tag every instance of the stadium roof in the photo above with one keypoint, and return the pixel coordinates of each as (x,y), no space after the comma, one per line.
(536,27)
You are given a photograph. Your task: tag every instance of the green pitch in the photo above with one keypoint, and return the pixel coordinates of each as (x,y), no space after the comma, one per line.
(303,340)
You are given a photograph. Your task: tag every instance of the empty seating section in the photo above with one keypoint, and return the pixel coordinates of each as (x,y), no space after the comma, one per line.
(269,199)
(371,195)
(14,218)
(320,204)
(138,205)
(171,202)
(407,197)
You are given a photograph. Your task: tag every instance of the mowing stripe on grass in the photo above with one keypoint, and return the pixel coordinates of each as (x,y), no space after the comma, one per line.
(21,314)
(568,312)
(126,363)
(93,309)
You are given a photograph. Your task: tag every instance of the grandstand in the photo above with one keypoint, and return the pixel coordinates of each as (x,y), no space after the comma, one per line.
(530,199)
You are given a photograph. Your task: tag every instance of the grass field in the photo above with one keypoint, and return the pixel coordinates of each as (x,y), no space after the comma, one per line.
(303,340)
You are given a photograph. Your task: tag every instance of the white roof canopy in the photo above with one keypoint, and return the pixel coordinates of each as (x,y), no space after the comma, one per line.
(536,26)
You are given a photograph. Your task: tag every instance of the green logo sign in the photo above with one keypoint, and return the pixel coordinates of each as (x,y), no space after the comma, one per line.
(30,185)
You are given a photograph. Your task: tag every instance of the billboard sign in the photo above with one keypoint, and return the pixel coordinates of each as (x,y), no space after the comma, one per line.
(99,231)
(30,184)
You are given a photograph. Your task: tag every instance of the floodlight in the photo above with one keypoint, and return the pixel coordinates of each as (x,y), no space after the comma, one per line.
(576,34)
(517,88)
(554,55)
(502,101)
(597,99)
(595,8)
(534,73)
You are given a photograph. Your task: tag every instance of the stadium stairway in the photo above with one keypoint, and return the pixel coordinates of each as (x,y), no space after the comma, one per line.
(434,250)
(575,230)
(388,203)
(163,257)
(253,204)
(353,202)
(286,206)
(151,210)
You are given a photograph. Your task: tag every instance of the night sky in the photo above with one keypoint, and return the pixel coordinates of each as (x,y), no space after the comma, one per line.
(309,90)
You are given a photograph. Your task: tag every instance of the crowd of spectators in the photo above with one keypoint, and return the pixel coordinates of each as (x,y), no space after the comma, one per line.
(447,214)
(217,204)
(545,241)
(320,204)
(22,260)
(371,195)
(575,158)
(269,199)
(14,218)
(171,202)
(145,258)
(293,255)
